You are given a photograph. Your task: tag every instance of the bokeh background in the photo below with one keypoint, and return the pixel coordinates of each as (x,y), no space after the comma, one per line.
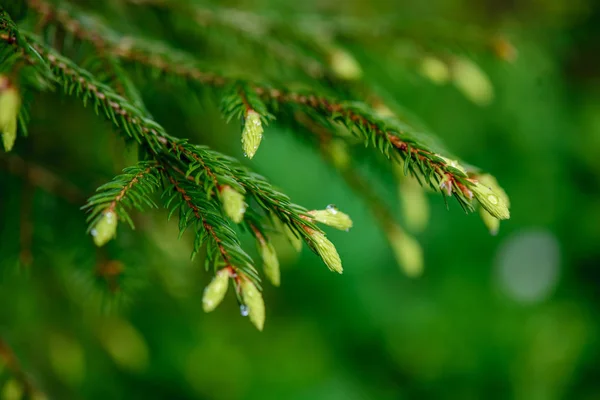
(507,316)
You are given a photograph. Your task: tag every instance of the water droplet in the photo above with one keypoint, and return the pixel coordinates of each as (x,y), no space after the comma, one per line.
(244,310)
(332,208)
(94,232)
(493,199)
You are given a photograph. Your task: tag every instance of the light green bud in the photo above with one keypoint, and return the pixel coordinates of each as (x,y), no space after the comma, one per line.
(333,217)
(67,358)
(270,262)
(327,251)
(255,303)
(215,291)
(492,223)
(338,152)
(105,229)
(252,133)
(233,203)
(414,204)
(12,390)
(491,182)
(295,240)
(124,344)
(493,202)
(472,81)
(454,164)
(434,69)
(10,104)
(407,251)
(344,66)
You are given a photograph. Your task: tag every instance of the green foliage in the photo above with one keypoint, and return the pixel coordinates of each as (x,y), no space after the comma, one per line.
(177,84)
(189,175)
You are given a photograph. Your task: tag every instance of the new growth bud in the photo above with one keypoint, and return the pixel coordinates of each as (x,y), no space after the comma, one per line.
(415,207)
(435,70)
(294,239)
(472,81)
(407,251)
(338,153)
(490,221)
(344,66)
(494,202)
(333,217)
(216,290)
(270,260)
(233,203)
(252,134)
(255,303)
(454,164)
(10,103)
(327,251)
(105,229)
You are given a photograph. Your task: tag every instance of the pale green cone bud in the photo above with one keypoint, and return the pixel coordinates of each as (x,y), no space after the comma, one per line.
(254,301)
(233,203)
(338,152)
(294,239)
(493,203)
(491,182)
(252,133)
(407,251)
(435,70)
(414,205)
(215,291)
(472,81)
(10,104)
(454,164)
(327,251)
(492,223)
(344,66)
(333,217)
(270,262)
(382,110)
(12,390)
(105,229)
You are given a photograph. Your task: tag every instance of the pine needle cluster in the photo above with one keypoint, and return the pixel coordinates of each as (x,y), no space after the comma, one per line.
(100,55)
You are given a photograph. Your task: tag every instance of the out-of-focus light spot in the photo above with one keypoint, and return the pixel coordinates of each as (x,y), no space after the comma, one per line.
(67,358)
(527,265)
(12,390)
(125,345)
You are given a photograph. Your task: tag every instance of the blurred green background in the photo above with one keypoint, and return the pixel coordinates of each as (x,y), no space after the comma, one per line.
(510,316)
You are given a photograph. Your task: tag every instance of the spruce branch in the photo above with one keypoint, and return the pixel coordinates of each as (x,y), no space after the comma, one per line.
(214,169)
(197,209)
(406,249)
(132,189)
(253,30)
(386,134)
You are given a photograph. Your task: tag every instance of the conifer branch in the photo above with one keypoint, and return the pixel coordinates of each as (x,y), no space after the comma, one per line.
(132,189)
(406,249)
(388,135)
(249,28)
(196,208)
(135,125)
